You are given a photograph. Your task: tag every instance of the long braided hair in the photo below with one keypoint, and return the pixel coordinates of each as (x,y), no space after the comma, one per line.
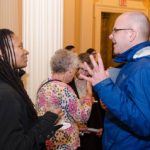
(8,73)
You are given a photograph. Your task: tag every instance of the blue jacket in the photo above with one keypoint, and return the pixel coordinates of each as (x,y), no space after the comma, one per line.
(127,123)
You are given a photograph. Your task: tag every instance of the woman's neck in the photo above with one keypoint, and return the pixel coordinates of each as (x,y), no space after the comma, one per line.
(58,76)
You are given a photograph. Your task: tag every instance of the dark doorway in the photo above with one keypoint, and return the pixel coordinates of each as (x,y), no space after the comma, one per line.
(107,22)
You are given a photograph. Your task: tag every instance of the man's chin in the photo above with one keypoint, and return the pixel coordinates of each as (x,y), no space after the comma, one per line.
(116,52)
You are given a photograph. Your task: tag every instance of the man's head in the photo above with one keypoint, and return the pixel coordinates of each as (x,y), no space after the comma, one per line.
(70,48)
(130,29)
(91,51)
(83,57)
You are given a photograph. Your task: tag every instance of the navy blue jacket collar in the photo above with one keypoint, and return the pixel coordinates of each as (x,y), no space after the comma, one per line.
(128,55)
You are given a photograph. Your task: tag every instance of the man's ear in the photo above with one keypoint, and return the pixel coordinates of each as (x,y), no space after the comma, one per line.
(132,35)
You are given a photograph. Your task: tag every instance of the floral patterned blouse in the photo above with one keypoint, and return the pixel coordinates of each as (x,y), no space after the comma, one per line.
(60,95)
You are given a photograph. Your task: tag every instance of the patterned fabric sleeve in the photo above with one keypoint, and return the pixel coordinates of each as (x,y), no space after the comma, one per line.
(80,111)
(60,94)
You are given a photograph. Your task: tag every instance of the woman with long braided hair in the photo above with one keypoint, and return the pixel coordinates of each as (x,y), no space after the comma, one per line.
(20,127)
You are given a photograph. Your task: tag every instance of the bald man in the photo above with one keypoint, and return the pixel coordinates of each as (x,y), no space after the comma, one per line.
(127,121)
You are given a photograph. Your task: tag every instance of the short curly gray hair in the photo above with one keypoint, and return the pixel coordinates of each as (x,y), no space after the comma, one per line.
(63,60)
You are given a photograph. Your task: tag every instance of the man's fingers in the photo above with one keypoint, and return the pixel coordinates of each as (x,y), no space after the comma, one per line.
(100,63)
(85,77)
(98,73)
(107,73)
(90,71)
(93,61)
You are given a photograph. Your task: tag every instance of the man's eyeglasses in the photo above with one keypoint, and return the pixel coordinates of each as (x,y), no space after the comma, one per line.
(116,30)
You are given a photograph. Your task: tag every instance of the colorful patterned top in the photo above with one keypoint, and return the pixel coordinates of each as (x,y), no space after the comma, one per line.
(59,95)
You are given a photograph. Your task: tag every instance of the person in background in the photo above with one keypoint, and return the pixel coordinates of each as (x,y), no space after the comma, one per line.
(91,51)
(20,127)
(127,121)
(72,82)
(71,48)
(89,140)
(58,94)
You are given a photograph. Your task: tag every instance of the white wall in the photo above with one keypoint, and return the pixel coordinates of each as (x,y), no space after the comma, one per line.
(42,36)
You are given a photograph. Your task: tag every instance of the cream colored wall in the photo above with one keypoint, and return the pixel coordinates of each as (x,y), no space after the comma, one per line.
(72,23)
(69,19)
(78,17)
(82,19)
(86,24)
(10,15)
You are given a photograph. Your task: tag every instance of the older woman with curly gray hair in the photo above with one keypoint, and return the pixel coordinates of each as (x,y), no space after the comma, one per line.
(64,64)
(56,93)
